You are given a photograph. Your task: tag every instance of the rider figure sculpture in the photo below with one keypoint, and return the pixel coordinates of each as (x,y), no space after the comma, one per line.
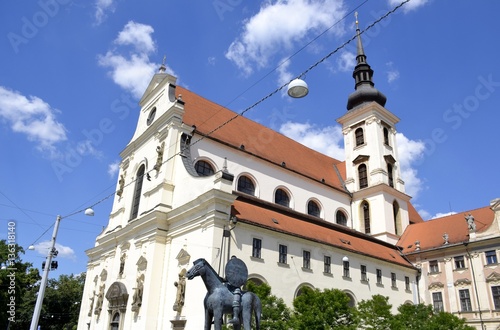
(236,276)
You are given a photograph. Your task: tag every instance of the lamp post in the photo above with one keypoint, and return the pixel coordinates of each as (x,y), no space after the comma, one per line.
(45,276)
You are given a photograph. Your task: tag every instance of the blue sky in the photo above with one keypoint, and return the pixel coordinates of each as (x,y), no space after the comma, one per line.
(72,73)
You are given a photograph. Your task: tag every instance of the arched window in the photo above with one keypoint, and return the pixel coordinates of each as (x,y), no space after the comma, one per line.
(203,168)
(281,197)
(360,138)
(386,136)
(363,177)
(352,300)
(313,209)
(341,218)
(390,174)
(365,209)
(397,218)
(115,322)
(246,185)
(137,192)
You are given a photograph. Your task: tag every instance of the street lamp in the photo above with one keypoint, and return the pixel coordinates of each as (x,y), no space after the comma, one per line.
(52,253)
(297,88)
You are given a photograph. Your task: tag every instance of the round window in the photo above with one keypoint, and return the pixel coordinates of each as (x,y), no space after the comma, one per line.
(151,116)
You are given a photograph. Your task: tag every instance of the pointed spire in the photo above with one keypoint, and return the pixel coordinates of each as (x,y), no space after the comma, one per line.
(163,67)
(363,73)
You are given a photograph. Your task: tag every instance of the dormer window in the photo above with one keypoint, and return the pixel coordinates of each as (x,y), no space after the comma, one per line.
(360,137)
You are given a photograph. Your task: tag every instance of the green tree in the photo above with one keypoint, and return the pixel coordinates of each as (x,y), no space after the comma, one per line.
(17,287)
(323,310)
(275,313)
(375,313)
(448,321)
(412,317)
(61,305)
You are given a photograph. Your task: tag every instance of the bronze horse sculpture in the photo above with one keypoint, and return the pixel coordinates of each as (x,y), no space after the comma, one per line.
(219,299)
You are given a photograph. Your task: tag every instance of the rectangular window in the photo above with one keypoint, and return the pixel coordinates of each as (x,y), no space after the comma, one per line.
(491,257)
(459,262)
(379,276)
(393,280)
(306,259)
(363,273)
(437,301)
(433,266)
(407,283)
(257,247)
(465,300)
(495,292)
(346,268)
(328,265)
(283,254)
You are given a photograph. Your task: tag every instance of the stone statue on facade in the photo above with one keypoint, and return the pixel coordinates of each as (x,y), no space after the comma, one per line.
(470,222)
(122,264)
(100,300)
(159,158)
(137,298)
(92,298)
(181,291)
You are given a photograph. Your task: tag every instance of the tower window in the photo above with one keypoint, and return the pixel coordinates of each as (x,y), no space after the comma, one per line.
(282,198)
(203,168)
(360,137)
(386,136)
(390,175)
(397,218)
(363,177)
(246,185)
(341,218)
(366,217)
(137,192)
(313,209)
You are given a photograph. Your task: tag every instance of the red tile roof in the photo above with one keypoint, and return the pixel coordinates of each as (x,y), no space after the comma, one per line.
(413,214)
(258,140)
(430,233)
(276,218)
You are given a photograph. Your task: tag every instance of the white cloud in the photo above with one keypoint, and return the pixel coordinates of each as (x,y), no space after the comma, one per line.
(440,215)
(277,26)
(32,117)
(63,251)
(133,72)
(137,35)
(327,140)
(346,61)
(409,6)
(113,168)
(409,152)
(101,9)
(392,73)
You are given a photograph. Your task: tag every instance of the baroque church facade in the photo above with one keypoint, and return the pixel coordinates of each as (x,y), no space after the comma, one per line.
(198,181)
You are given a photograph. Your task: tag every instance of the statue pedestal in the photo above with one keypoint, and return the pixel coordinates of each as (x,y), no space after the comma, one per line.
(178,324)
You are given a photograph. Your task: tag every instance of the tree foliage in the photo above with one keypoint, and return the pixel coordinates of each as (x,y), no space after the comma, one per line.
(18,287)
(275,313)
(323,310)
(375,313)
(20,282)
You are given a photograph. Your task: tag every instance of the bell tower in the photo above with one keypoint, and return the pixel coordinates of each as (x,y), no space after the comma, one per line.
(373,174)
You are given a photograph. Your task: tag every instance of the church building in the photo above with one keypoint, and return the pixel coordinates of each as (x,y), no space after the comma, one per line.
(197,180)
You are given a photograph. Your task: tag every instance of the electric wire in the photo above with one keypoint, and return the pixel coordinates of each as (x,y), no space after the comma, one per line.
(240,114)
